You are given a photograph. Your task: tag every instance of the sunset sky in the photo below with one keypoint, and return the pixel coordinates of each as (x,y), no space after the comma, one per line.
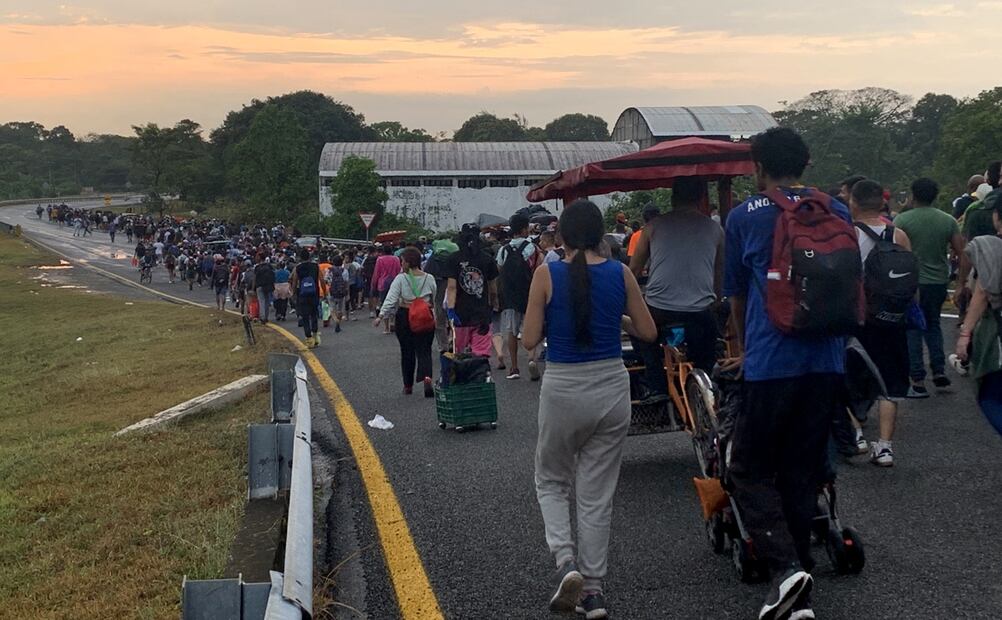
(103,65)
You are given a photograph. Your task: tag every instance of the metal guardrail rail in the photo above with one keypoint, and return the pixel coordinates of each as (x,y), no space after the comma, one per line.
(279,460)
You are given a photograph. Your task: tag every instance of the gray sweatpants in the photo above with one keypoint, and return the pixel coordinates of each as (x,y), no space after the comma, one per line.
(584,415)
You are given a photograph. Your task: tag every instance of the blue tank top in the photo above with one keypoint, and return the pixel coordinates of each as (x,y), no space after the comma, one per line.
(608,301)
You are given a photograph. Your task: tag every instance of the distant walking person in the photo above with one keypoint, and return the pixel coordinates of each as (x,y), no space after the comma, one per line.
(386,268)
(584,402)
(306,283)
(220,281)
(932,232)
(517,260)
(283,291)
(264,286)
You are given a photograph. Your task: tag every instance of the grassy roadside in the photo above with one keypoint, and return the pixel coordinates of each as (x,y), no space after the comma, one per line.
(98,527)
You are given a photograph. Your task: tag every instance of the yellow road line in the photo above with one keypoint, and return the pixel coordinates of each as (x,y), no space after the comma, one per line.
(415,596)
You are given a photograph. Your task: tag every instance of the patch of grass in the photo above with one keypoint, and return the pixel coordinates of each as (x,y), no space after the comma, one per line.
(93,526)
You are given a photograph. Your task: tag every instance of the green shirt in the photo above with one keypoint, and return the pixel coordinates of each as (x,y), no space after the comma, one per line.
(930,231)
(978,217)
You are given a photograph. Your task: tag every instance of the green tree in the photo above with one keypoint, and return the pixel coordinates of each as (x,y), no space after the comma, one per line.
(271,165)
(171,160)
(486,127)
(106,161)
(323,118)
(36,162)
(920,136)
(577,128)
(971,138)
(356,189)
(392,131)
(632,205)
(851,132)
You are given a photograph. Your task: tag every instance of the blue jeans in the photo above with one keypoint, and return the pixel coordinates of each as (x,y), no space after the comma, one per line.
(264,299)
(931,299)
(990,399)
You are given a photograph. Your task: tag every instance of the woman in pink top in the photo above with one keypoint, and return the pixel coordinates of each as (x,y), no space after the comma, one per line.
(387,268)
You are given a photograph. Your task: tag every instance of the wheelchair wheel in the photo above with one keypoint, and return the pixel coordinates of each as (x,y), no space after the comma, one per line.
(699,393)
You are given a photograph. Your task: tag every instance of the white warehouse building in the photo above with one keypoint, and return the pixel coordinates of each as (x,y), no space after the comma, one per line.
(444,185)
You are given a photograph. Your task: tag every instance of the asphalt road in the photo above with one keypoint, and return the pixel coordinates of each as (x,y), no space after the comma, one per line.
(930,524)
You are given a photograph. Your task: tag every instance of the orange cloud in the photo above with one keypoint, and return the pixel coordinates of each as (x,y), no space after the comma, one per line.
(47,66)
(48,61)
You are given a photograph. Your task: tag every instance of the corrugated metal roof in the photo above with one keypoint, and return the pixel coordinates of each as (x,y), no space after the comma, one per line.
(471,158)
(739,121)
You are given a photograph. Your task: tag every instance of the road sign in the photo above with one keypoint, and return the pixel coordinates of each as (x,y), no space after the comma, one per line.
(367,219)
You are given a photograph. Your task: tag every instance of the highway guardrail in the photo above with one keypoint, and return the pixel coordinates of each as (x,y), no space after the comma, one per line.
(279,461)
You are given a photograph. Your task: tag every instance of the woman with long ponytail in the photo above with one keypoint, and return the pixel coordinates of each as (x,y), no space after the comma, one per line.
(584,402)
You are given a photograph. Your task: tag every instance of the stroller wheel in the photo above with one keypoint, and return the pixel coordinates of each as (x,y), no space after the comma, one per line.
(854,551)
(716,533)
(845,550)
(746,566)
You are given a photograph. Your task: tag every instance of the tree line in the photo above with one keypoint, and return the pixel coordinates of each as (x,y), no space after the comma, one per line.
(261,163)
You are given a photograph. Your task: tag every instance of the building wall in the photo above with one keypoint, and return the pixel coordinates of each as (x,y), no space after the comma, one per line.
(448,208)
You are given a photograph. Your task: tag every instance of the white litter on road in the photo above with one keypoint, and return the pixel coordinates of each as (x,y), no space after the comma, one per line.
(235,349)
(79,338)
(381,423)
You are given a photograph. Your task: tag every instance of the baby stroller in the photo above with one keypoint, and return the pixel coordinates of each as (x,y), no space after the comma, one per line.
(724,527)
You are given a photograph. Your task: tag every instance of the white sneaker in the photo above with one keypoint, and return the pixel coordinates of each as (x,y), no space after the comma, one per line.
(881,454)
(862,445)
(533,371)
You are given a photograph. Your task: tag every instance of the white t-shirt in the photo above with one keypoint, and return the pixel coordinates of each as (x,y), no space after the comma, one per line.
(866,244)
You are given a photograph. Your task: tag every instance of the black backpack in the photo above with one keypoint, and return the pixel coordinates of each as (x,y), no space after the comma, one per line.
(890,278)
(516,277)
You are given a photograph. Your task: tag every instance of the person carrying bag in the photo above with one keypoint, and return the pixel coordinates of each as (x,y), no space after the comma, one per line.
(409,299)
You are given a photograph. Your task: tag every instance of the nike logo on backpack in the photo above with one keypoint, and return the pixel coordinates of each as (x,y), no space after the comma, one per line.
(894,276)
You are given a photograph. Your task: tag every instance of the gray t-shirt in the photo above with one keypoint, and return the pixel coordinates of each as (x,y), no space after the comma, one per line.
(683,251)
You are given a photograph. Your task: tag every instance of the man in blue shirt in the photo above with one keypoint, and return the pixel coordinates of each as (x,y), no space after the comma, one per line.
(792,387)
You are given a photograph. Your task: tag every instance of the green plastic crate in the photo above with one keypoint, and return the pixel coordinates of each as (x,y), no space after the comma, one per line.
(463,406)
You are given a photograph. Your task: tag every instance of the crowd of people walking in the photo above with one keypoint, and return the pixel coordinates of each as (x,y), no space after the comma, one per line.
(565,291)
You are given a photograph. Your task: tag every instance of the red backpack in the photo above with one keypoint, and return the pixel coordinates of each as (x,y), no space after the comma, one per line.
(419,315)
(814,285)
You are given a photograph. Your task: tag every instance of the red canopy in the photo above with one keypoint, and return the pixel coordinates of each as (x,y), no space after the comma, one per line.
(657,166)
